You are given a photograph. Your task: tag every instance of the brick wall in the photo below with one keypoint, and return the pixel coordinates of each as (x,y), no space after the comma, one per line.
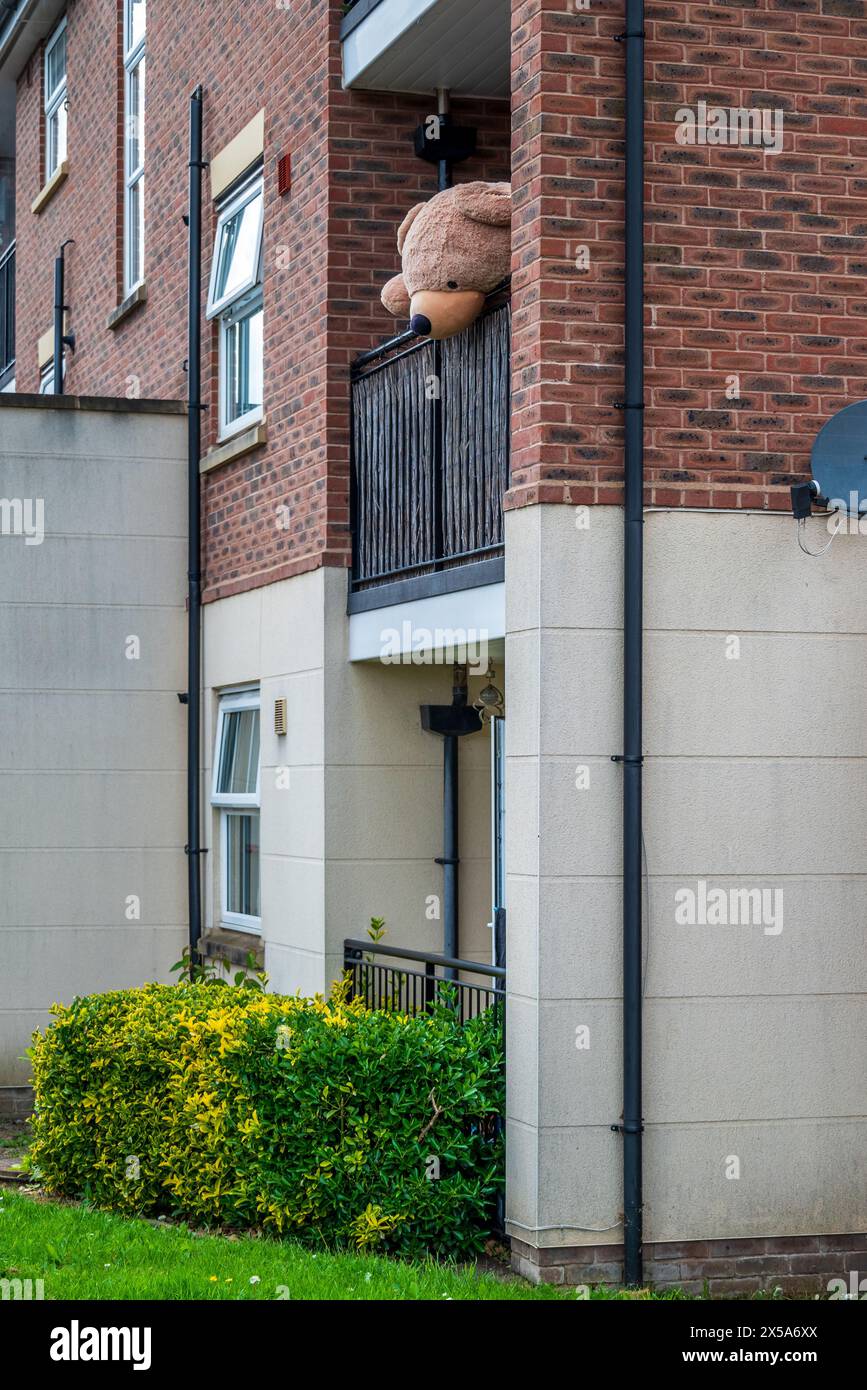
(755,261)
(329,247)
(800,1266)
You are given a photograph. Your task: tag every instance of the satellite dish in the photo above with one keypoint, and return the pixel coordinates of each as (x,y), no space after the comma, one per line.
(839,459)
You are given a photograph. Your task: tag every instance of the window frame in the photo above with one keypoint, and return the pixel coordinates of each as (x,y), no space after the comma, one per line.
(134,68)
(252,187)
(242,302)
(239,309)
(237,921)
(236,803)
(54,100)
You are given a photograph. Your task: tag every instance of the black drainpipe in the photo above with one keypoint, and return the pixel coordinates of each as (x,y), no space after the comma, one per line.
(194,441)
(61,339)
(452,723)
(633,407)
(444,167)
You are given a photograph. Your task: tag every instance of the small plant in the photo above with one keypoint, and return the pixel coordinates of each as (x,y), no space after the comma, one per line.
(208,972)
(376,930)
(196,972)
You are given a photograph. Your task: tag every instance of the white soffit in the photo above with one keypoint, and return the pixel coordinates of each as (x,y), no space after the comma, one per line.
(23,28)
(419,45)
(477,616)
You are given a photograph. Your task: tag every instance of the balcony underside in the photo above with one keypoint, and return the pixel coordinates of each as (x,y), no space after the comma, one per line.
(419,45)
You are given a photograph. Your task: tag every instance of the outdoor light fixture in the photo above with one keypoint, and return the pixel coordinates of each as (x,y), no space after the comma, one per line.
(491,703)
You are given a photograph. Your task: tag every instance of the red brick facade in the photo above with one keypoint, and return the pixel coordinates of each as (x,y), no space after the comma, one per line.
(329,247)
(755,261)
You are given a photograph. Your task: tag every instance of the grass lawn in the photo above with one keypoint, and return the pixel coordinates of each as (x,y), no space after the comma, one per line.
(85,1254)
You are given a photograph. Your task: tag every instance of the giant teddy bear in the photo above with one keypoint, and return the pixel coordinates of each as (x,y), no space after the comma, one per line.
(454,249)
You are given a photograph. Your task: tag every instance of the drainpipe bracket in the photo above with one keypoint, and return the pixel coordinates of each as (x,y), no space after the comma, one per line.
(624,405)
(447,861)
(628,1129)
(621,38)
(189,851)
(626,758)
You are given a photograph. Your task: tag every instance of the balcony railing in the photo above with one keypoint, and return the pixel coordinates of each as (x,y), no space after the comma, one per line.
(399,980)
(430,452)
(7,315)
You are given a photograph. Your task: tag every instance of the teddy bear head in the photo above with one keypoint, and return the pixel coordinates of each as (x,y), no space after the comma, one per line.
(454,249)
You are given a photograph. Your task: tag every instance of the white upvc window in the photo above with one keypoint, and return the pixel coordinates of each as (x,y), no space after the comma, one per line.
(235,299)
(56,103)
(134,18)
(46,377)
(236,794)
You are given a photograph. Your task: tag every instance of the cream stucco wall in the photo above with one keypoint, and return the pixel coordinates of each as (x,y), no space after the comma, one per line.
(92,743)
(755,777)
(356,831)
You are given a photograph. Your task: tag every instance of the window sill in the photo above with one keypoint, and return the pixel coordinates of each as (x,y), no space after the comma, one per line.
(234,448)
(47,193)
(136,297)
(222,943)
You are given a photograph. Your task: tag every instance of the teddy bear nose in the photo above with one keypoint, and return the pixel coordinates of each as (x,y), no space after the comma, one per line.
(420,323)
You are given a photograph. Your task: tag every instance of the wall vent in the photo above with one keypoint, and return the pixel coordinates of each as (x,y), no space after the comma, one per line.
(284,175)
(281,717)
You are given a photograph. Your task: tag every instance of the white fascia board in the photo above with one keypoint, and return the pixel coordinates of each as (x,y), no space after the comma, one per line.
(430,627)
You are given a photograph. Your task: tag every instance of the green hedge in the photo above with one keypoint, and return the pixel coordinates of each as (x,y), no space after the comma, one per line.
(314,1118)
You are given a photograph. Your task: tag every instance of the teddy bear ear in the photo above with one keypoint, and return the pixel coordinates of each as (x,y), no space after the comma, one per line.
(395,297)
(406,224)
(490,203)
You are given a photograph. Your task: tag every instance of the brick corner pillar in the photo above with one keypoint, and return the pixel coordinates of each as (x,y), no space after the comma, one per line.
(567,255)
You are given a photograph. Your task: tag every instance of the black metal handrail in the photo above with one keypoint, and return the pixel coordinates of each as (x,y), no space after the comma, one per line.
(398,988)
(7,313)
(430,450)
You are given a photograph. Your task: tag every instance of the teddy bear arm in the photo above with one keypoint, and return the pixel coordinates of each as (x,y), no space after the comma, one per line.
(395,297)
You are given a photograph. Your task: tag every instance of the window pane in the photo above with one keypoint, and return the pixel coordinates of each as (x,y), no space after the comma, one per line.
(134,119)
(243,346)
(239,755)
(56,152)
(238,250)
(135,233)
(55,66)
(136,11)
(242,864)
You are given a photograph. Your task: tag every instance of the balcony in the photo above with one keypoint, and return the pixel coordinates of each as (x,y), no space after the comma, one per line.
(7,317)
(419,45)
(430,463)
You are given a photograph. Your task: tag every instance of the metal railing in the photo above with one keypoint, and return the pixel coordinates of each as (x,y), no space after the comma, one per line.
(405,988)
(430,451)
(7,313)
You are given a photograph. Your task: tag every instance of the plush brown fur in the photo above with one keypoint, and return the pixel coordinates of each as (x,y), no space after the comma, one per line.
(455,249)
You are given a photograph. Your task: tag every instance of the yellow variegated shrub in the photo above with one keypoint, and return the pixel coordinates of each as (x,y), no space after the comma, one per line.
(313,1118)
